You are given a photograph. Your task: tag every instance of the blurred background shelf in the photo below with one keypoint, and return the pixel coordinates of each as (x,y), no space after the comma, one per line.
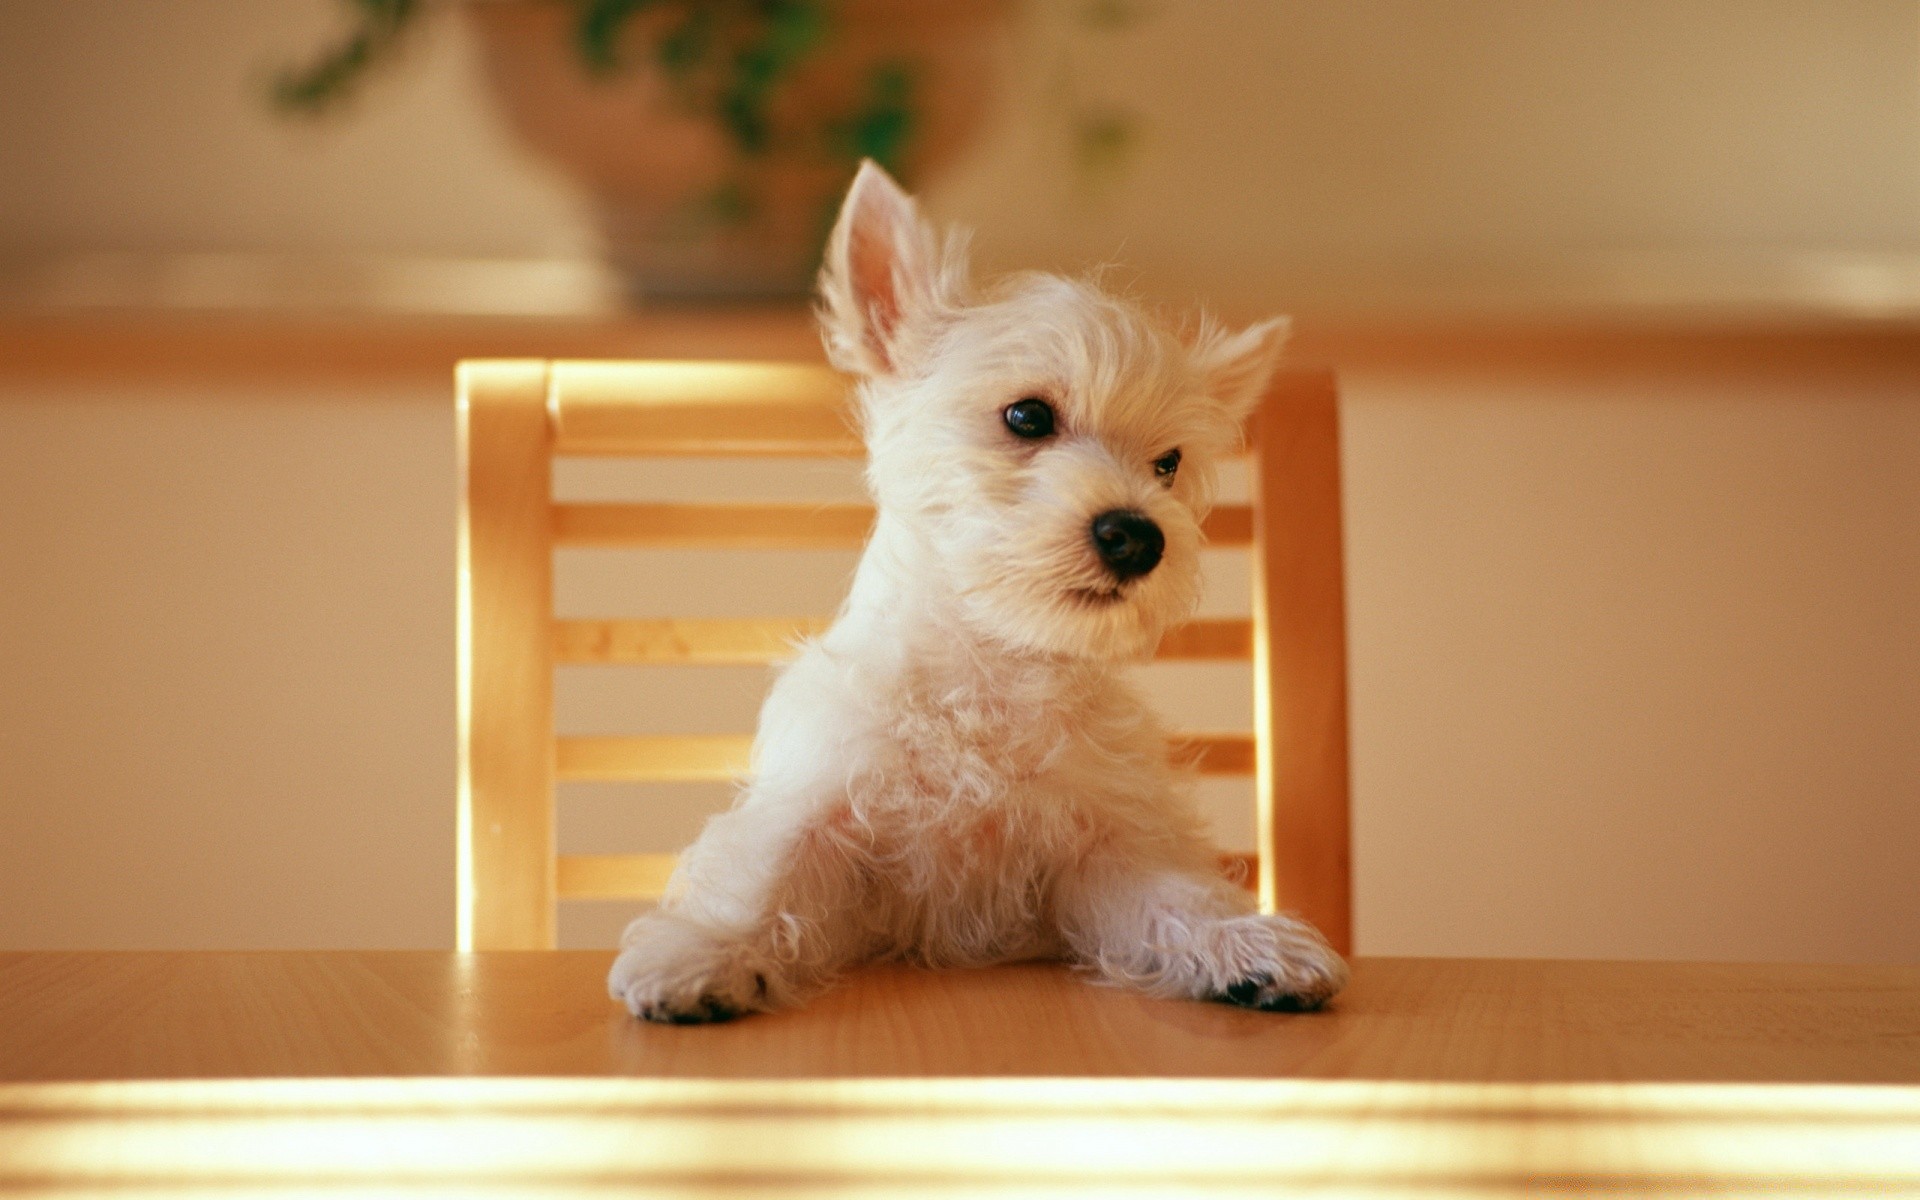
(287,342)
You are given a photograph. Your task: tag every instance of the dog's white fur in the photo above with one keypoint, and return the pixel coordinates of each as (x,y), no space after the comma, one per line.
(956,773)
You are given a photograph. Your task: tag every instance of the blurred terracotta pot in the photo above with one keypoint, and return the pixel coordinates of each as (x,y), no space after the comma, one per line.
(661,176)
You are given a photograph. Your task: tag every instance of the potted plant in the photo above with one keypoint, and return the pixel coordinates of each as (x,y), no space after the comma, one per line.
(712,136)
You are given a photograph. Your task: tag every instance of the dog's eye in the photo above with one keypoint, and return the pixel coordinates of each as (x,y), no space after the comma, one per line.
(1029,418)
(1167,464)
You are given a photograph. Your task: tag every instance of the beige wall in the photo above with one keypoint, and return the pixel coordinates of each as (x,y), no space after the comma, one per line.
(226,708)
(1637,665)
(137,125)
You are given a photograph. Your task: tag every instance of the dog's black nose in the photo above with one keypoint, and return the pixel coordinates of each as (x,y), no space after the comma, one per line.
(1128,543)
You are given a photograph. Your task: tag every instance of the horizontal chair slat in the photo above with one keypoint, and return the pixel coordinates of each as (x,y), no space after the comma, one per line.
(669,409)
(706,758)
(757,641)
(773,526)
(655,758)
(1215,753)
(613,876)
(644,876)
(1210,639)
(674,640)
(719,526)
(1229,525)
(721,408)
(1241,866)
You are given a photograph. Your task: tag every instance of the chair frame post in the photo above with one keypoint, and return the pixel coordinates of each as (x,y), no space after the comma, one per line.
(505,851)
(1300,662)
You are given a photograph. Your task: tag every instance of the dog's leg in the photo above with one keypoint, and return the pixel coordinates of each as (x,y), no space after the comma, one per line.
(1173,932)
(751,921)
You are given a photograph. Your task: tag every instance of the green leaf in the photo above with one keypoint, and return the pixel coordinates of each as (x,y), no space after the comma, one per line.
(329,79)
(598,28)
(884,125)
(688,44)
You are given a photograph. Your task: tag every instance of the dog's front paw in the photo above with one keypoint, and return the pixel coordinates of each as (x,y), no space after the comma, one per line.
(674,973)
(1280,965)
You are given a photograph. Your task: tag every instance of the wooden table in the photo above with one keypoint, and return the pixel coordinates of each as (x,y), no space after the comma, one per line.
(263,1071)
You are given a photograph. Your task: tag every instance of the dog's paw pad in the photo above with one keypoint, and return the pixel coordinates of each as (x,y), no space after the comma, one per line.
(1259,992)
(708,1010)
(1246,993)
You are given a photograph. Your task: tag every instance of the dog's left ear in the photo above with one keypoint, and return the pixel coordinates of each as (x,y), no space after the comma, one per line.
(885,281)
(1237,367)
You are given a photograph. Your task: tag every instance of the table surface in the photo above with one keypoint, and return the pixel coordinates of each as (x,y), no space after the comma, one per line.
(191,1073)
(93,1016)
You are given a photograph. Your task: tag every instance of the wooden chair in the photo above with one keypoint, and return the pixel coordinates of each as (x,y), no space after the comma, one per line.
(515,416)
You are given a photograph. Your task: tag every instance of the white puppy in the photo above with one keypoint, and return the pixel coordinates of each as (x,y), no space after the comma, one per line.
(957,773)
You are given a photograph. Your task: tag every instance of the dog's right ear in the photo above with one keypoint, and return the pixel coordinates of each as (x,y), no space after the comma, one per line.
(885,281)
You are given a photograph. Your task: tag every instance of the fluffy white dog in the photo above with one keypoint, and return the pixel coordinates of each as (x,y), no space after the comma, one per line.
(957,773)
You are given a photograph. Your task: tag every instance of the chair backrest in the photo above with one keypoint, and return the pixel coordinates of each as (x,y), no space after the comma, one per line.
(516,416)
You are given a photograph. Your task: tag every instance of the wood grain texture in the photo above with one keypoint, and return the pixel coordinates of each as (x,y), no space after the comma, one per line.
(655,758)
(714,526)
(713,408)
(505,835)
(1300,659)
(513,1074)
(227,1014)
(1386,1139)
(774,526)
(754,641)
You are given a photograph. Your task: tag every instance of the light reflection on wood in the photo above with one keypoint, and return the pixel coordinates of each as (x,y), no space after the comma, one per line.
(1205,1137)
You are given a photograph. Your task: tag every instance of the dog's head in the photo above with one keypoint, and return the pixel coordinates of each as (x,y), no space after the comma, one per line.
(1051,444)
